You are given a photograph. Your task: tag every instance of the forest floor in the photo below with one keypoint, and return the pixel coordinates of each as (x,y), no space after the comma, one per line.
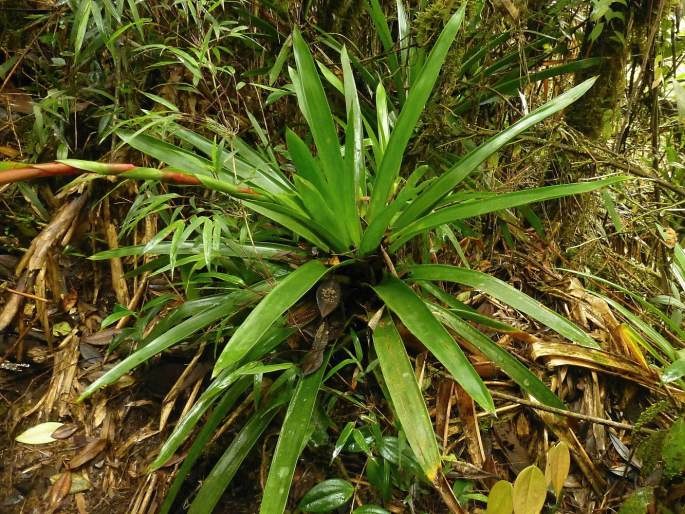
(54,298)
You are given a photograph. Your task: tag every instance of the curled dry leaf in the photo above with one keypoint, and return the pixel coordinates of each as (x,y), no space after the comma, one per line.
(314,358)
(78,482)
(40,434)
(65,431)
(60,488)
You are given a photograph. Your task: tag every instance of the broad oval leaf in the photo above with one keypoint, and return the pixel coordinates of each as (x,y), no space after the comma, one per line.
(268,311)
(530,491)
(501,498)
(406,396)
(327,496)
(505,293)
(420,321)
(557,467)
(39,434)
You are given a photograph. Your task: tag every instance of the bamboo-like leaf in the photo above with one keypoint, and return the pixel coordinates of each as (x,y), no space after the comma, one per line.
(505,293)
(166,152)
(406,396)
(188,422)
(408,117)
(418,319)
(495,203)
(291,442)
(226,307)
(288,291)
(453,176)
(519,373)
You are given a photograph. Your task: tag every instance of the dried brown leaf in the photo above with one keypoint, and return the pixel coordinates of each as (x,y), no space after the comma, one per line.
(65,431)
(88,453)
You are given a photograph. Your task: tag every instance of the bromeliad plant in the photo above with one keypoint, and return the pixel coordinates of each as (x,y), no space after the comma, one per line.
(338,220)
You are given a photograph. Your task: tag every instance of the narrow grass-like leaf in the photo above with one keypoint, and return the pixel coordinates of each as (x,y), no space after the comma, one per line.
(505,293)
(413,312)
(496,203)
(519,373)
(271,308)
(464,311)
(453,176)
(291,442)
(406,396)
(354,151)
(225,469)
(229,305)
(188,422)
(320,119)
(408,117)
(225,404)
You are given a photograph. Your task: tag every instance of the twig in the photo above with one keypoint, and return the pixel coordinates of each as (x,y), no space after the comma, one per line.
(388,262)
(27,295)
(569,414)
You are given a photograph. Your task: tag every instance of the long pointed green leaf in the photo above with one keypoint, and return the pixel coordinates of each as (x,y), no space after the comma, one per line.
(290,223)
(227,306)
(519,373)
(288,291)
(505,293)
(225,469)
(406,396)
(448,180)
(383,30)
(225,404)
(408,117)
(320,117)
(291,442)
(496,203)
(354,151)
(420,321)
